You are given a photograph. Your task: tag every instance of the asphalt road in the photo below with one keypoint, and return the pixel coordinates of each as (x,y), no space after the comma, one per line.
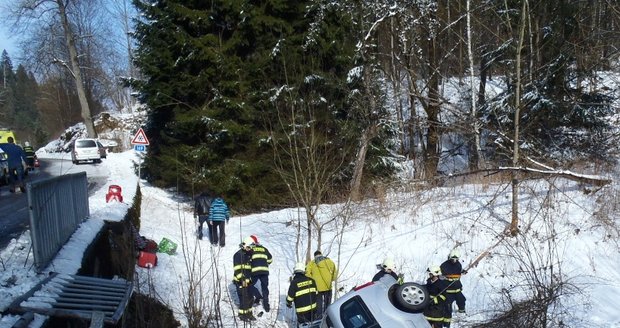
(14,219)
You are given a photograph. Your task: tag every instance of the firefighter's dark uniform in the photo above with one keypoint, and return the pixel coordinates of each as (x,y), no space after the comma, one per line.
(435,312)
(29,156)
(453,270)
(242,279)
(261,259)
(303,292)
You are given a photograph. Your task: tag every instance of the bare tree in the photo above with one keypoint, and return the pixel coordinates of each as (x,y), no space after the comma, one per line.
(59,13)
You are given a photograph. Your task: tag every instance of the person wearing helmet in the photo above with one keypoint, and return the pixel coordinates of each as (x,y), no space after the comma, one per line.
(242,278)
(261,259)
(324,272)
(303,292)
(387,267)
(435,285)
(452,270)
(219,215)
(30,155)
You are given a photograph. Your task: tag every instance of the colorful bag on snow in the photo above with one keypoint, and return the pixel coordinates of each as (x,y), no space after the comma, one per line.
(147,260)
(167,246)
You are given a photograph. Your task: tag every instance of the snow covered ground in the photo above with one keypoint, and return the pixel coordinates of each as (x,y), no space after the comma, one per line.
(565,235)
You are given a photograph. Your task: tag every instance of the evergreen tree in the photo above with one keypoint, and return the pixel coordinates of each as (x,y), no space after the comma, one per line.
(7,90)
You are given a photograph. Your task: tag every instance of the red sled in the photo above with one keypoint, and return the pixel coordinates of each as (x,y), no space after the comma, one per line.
(147,260)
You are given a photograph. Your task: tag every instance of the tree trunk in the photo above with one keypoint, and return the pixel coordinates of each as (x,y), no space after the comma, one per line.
(475,155)
(431,157)
(77,73)
(514,224)
(358,170)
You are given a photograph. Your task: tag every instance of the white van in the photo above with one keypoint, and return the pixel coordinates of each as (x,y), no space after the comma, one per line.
(85,149)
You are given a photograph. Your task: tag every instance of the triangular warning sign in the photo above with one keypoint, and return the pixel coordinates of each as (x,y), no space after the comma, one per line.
(140,138)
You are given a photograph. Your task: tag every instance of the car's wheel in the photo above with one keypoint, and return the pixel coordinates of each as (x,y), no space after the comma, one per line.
(411,297)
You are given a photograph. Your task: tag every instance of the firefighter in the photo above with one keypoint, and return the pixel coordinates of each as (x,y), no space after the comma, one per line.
(387,268)
(30,155)
(303,293)
(436,286)
(452,270)
(242,278)
(261,259)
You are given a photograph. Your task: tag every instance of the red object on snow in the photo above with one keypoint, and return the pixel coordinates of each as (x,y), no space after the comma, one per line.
(36,162)
(147,260)
(114,193)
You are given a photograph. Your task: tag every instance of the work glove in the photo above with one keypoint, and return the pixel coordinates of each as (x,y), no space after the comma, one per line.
(435,300)
(289,305)
(401,279)
(464,271)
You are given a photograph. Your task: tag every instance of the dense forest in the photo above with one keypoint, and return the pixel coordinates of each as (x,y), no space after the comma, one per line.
(277,103)
(322,99)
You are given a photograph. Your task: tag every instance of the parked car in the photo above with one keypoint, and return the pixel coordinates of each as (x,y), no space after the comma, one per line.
(383,303)
(85,149)
(4,167)
(102,150)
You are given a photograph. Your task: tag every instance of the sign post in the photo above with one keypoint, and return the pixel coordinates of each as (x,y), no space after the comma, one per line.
(139,142)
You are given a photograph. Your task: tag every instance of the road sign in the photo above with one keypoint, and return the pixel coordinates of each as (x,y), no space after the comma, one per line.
(139,147)
(140,138)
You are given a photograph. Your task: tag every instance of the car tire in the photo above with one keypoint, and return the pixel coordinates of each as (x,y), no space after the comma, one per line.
(411,297)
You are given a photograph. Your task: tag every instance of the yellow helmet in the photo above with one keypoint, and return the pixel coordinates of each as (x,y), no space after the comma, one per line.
(454,254)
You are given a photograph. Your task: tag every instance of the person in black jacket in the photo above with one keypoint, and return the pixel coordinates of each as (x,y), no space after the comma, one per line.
(436,286)
(201,211)
(242,278)
(387,267)
(261,259)
(452,270)
(303,293)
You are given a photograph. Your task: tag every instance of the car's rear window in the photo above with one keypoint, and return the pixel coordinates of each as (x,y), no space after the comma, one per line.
(85,144)
(355,314)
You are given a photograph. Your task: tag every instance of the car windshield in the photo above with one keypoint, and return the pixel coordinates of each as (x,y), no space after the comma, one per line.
(355,314)
(85,144)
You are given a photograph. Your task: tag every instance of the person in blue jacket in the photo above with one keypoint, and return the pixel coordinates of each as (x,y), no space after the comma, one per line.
(218,217)
(16,158)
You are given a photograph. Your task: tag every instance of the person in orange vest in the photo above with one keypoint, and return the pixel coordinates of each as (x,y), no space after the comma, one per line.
(452,270)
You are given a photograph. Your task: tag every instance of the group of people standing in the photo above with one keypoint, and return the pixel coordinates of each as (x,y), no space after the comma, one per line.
(213,210)
(445,287)
(310,290)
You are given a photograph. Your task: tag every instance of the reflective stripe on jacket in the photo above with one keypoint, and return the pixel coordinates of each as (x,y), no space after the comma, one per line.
(242,267)
(261,259)
(452,271)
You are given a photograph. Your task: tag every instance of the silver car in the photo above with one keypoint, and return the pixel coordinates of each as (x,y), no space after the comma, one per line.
(85,149)
(382,303)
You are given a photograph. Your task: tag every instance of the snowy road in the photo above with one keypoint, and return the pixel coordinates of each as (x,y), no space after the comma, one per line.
(14,218)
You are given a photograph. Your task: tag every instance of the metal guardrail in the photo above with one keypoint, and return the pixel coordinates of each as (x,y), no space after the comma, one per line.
(57,206)
(71,296)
